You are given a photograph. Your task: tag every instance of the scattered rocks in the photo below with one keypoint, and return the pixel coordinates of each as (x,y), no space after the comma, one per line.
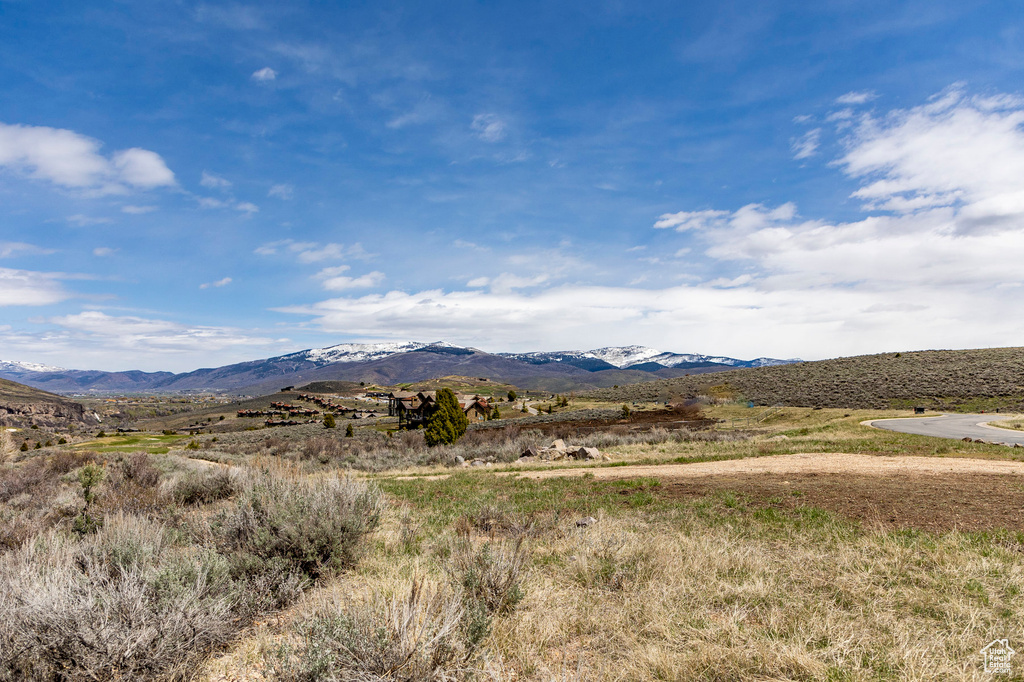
(478,463)
(460,460)
(586,521)
(558,450)
(967,439)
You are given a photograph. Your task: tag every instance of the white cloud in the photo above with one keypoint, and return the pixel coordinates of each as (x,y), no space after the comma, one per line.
(699,318)
(85,221)
(102,251)
(219,283)
(71,160)
(507,282)
(854,98)
(142,168)
(92,329)
(311,252)
(488,127)
(806,145)
(949,176)
(954,151)
(281,191)
(138,210)
(243,206)
(332,279)
(214,181)
(12,249)
(25,287)
(264,75)
(691,220)
(210,202)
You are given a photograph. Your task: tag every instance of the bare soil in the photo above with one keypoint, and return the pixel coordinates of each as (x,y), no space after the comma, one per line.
(927,493)
(976,502)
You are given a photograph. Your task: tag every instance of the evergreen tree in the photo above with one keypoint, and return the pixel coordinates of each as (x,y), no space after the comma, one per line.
(329,422)
(349,431)
(448,422)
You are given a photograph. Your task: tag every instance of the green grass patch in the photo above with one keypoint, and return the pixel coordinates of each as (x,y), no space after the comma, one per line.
(153,444)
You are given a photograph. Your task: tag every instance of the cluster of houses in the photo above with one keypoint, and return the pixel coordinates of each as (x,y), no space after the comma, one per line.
(414,409)
(292,412)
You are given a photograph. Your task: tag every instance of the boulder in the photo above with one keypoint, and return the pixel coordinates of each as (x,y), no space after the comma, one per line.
(529,452)
(558,445)
(586,521)
(589,453)
(459,460)
(550,454)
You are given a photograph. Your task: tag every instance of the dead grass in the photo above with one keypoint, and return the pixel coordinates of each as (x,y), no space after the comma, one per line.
(709,589)
(1013,424)
(702,589)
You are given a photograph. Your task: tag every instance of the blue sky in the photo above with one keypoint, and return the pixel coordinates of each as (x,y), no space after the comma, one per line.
(190,184)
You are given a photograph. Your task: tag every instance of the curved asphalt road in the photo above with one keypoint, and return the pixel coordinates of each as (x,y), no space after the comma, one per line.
(956,426)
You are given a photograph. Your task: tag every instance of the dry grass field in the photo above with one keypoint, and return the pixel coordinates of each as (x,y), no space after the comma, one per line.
(709,554)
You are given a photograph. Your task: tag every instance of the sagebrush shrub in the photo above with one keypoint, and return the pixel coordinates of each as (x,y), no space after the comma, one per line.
(314,525)
(203,486)
(123,603)
(415,638)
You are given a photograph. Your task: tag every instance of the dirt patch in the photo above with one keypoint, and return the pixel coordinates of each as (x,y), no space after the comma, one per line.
(932,502)
(808,462)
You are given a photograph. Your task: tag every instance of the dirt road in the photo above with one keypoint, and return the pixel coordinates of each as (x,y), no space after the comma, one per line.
(804,463)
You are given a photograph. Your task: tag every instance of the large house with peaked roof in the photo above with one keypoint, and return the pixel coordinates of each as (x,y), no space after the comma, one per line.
(414,409)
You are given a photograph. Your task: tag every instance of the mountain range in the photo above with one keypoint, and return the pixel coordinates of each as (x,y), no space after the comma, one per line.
(389,364)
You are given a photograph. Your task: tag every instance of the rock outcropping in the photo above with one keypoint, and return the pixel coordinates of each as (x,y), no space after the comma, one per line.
(22,406)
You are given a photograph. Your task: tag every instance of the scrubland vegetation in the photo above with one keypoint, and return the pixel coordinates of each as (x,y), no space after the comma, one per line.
(302,554)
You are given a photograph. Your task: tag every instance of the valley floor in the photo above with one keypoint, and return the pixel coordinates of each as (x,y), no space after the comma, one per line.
(793,566)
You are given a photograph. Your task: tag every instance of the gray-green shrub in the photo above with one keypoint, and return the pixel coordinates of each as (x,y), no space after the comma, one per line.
(314,525)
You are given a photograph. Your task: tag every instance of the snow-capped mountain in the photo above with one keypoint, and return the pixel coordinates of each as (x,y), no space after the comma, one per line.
(358,352)
(15,366)
(639,357)
(386,364)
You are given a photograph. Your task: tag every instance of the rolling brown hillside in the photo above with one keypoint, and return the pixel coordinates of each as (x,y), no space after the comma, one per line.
(22,405)
(983,379)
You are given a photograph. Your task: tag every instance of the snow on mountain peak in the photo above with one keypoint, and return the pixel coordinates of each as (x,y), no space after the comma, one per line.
(15,366)
(623,356)
(359,352)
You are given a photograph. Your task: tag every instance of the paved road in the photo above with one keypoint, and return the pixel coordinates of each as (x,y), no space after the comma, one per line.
(954,426)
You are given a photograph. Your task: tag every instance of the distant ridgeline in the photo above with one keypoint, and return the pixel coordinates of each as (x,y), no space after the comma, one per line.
(390,364)
(983,379)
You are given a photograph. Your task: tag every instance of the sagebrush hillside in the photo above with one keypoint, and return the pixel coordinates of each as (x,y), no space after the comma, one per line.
(980,379)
